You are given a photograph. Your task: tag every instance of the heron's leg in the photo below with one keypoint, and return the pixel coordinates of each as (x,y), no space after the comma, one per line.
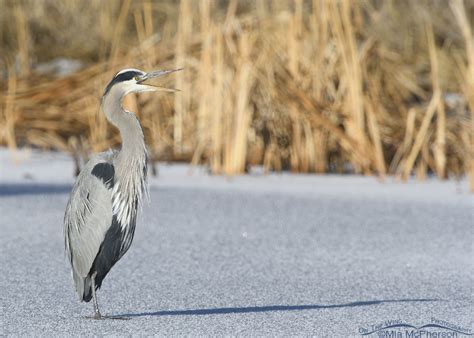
(97,314)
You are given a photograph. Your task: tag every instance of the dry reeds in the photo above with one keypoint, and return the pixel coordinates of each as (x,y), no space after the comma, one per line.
(322,86)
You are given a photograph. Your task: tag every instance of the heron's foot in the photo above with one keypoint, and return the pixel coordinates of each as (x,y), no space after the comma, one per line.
(97,315)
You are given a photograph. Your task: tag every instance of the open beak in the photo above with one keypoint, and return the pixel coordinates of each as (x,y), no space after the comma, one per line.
(155,74)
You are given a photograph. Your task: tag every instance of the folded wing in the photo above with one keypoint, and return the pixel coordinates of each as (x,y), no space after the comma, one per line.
(88,217)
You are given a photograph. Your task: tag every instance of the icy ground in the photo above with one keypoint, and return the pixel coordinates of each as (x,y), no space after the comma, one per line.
(254,255)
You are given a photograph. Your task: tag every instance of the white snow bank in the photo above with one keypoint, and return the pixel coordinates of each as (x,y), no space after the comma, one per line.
(35,167)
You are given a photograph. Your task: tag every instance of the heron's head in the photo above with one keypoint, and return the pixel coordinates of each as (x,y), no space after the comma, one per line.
(133,81)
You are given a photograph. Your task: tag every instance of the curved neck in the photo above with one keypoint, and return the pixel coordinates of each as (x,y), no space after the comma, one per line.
(130,130)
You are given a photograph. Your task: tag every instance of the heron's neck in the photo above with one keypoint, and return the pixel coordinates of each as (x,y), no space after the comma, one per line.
(131,133)
(133,152)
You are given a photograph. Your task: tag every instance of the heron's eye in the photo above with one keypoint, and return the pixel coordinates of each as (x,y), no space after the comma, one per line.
(136,78)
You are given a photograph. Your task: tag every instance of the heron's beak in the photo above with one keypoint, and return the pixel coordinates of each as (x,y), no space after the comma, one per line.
(154,74)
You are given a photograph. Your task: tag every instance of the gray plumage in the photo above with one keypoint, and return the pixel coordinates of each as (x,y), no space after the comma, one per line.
(100,218)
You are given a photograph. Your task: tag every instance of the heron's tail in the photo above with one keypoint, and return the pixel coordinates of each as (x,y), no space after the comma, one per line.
(83,287)
(87,291)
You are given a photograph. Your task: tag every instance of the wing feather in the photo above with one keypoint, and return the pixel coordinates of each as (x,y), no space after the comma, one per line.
(88,216)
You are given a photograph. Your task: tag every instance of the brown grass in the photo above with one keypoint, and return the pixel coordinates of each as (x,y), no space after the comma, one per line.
(320,86)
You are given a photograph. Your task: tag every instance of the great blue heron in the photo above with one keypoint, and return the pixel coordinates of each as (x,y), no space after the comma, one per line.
(101,214)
